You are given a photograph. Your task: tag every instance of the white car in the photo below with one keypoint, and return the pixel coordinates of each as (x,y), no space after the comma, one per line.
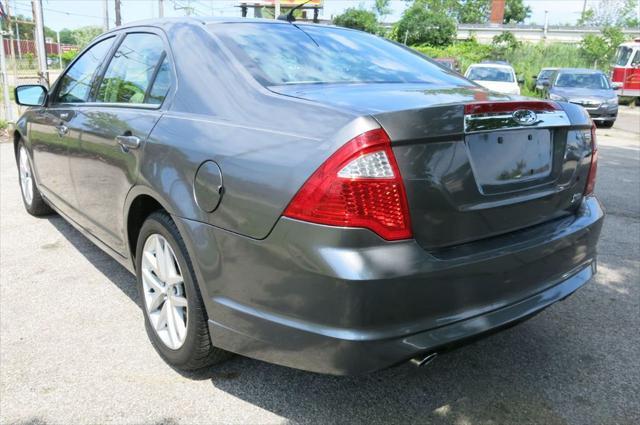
(496,77)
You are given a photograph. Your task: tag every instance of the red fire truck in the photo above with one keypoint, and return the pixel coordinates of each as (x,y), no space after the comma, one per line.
(626,69)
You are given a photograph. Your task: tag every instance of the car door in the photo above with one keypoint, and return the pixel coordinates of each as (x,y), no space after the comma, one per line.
(52,133)
(113,127)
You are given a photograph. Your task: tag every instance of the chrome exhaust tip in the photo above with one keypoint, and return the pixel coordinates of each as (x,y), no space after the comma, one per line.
(422,361)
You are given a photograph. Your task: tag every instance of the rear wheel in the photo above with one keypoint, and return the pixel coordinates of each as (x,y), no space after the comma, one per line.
(33,202)
(175,317)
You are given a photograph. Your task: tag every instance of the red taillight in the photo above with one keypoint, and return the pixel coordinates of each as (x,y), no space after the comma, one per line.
(591,178)
(501,107)
(358,186)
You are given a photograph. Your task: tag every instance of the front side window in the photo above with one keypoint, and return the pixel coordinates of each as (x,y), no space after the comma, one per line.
(279,54)
(131,72)
(75,85)
(485,73)
(622,55)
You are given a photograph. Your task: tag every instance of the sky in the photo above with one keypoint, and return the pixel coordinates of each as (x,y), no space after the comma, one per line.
(71,14)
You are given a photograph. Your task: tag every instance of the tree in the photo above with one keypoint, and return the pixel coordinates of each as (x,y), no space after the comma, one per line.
(516,12)
(473,11)
(623,13)
(504,43)
(422,23)
(601,48)
(359,19)
(382,8)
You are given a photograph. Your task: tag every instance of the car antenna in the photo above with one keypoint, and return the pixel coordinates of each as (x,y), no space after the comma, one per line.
(289,16)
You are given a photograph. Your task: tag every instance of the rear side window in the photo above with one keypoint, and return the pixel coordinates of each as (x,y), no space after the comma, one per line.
(75,85)
(132,70)
(278,54)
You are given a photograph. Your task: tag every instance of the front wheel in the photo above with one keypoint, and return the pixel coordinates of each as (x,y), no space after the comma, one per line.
(174,313)
(607,124)
(31,198)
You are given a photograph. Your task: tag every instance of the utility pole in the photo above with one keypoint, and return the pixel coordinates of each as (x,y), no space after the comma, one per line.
(160,8)
(59,50)
(11,48)
(276,11)
(8,111)
(105,14)
(41,48)
(18,38)
(118,14)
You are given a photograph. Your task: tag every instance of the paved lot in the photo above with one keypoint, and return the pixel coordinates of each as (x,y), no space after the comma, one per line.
(73,347)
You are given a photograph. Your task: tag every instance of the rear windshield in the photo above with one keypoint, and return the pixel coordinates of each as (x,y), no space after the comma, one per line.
(279,54)
(485,73)
(585,80)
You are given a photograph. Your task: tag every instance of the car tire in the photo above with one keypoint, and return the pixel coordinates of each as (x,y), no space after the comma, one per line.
(31,197)
(607,124)
(192,349)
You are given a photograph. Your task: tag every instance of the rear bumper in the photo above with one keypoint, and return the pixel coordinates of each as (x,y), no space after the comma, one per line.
(343,302)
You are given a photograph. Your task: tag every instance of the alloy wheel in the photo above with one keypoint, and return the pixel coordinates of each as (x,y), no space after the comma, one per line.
(26,178)
(165,298)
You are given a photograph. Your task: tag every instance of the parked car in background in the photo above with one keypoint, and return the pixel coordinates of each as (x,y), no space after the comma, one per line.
(497,77)
(588,88)
(625,73)
(451,63)
(542,77)
(275,203)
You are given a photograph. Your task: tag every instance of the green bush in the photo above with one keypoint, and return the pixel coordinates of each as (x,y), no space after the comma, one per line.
(420,25)
(359,19)
(68,56)
(3,125)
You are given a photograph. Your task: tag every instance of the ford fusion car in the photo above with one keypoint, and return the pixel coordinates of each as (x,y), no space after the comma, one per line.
(312,196)
(586,87)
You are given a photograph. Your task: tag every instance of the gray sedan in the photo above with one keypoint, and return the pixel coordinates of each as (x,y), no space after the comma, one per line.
(311,196)
(588,88)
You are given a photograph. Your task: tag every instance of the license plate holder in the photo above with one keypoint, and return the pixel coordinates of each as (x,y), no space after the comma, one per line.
(508,157)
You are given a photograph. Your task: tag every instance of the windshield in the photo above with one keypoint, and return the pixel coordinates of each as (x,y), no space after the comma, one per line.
(622,56)
(545,73)
(278,54)
(486,73)
(585,81)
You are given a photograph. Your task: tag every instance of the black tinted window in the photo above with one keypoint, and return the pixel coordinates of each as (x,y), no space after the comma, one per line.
(75,85)
(287,54)
(131,71)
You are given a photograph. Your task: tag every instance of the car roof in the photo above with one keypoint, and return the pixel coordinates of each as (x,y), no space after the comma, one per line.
(490,65)
(208,20)
(579,70)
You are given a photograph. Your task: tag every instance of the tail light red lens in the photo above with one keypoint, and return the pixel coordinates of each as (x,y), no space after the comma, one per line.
(593,169)
(358,186)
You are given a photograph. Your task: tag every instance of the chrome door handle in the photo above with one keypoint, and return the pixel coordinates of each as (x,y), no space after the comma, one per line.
(62,129)
(128,142)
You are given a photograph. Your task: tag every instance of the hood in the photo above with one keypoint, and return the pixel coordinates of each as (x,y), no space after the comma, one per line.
(376,98)
(570,93)
(500,87)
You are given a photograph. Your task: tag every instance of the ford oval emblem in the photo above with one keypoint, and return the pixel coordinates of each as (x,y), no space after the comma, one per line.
(524,117)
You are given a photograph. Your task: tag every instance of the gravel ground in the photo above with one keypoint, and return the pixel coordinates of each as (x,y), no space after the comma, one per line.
(73,347)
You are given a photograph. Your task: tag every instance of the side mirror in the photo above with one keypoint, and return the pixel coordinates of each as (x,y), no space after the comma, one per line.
(616,87)
(520,80)
(30,95)
(535,77)
(546,83)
